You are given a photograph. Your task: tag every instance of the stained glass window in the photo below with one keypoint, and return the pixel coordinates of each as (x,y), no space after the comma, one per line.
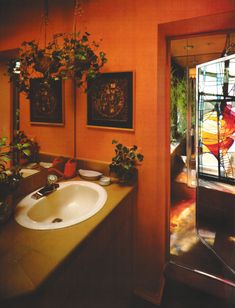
(216,119)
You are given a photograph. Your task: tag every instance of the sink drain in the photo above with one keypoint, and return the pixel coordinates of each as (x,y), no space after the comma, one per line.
(57,220)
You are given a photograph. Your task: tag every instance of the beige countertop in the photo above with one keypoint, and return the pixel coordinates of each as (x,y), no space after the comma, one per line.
(28,257)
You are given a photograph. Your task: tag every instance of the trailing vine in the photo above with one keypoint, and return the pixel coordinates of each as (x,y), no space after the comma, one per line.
(68,55)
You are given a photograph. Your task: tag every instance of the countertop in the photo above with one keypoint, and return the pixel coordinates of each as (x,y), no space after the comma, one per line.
(28,257)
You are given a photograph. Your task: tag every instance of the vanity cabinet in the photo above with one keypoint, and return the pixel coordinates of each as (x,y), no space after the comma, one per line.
(87,265)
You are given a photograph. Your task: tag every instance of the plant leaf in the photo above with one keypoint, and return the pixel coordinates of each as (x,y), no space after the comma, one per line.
(27,152)
(26,145)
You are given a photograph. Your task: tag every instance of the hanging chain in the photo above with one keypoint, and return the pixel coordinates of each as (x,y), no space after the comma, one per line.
(77,12)
(44,23)
(45,17)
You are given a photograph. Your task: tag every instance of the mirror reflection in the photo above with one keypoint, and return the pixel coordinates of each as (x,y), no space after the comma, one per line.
(216,157)
(10,121)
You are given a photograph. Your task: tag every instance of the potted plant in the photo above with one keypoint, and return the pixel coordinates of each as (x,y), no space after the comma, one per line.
(9,178)
(67,55)
(124,162)
(24,149)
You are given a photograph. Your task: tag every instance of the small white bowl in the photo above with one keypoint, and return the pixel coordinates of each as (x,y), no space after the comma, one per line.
(89,174)
(104,181)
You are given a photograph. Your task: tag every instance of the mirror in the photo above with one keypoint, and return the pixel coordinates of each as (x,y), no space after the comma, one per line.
(216,157)
(10,119)
(196,211)
(10,98)
(43,134)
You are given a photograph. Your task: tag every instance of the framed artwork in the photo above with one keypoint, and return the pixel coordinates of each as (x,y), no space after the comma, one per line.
(110,100)
(46,102)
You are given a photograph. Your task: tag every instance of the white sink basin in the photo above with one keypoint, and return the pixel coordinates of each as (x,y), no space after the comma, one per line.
(71,203)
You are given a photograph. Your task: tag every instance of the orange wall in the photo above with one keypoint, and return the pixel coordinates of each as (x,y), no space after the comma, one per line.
(5,102)
(129,29)
(56,140)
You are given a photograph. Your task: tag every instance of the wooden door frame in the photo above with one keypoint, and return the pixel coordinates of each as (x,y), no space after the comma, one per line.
(205,25)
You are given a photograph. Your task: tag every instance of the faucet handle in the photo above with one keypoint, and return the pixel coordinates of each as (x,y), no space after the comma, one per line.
(52,179)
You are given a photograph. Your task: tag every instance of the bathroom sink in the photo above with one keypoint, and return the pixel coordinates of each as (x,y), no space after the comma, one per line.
(71,203)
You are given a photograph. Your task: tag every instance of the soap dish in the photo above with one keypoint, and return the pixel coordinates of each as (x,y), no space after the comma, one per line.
(89,174)
(104,181)
(45,164)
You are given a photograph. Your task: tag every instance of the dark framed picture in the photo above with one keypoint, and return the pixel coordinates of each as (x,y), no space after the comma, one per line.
(46,102)
(110,100)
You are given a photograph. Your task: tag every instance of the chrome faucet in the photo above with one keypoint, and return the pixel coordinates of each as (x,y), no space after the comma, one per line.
(48,188)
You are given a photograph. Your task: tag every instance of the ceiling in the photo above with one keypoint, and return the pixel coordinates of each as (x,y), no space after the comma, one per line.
(189,52)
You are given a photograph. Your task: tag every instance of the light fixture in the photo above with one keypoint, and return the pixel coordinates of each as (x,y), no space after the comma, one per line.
(16,69)
(188,47)
(192,72)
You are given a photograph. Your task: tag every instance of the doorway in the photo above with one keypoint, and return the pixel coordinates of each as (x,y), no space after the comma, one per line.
(188,246)
(200,26)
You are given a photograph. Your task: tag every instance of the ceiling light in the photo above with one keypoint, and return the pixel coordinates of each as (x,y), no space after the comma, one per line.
(188,47)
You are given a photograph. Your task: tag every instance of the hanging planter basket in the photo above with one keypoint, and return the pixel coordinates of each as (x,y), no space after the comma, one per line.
(68,55)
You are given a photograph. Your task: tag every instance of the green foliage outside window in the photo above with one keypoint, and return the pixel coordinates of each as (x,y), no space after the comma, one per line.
(178,106)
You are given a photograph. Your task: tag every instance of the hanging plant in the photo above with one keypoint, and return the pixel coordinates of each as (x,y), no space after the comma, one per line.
(68,55)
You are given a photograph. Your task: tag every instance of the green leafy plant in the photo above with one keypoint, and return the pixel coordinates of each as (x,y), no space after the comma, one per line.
(178,106)
(24,149)
(9,179)
(124,162)
(67,55)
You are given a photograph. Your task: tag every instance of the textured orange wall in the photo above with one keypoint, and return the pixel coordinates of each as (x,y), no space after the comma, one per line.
(52,139)
(129,29)
(5,103)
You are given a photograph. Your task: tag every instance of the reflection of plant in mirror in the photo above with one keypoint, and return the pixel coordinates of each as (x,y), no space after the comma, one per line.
(124,162)
(4,156)
(24,149)
(9,179)
(178,106)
